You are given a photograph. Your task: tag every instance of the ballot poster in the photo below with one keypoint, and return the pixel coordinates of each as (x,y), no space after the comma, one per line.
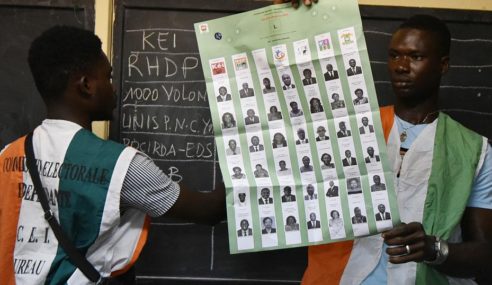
(297,126)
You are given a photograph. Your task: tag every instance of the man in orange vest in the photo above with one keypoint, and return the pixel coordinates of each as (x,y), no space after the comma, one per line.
(446,236)
(444,188)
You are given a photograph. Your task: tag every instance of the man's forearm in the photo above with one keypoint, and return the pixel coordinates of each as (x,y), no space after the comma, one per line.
(467,260)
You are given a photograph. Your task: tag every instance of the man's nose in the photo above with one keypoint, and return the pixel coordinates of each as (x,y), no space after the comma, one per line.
(403,64)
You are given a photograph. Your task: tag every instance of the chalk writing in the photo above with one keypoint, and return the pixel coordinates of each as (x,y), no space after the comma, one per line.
(164,108)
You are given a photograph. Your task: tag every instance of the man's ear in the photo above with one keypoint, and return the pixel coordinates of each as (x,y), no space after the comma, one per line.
(84,86)
(444,64)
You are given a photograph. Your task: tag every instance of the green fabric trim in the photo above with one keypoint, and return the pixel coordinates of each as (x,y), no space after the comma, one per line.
(80,219)
(457,152)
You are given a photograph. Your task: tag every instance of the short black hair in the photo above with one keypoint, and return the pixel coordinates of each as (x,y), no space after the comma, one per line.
(434,25)
(59,52)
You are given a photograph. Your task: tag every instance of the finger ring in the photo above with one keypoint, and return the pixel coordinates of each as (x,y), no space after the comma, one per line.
(408,249)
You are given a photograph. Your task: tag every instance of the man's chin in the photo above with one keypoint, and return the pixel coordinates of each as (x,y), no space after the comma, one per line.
(405,94)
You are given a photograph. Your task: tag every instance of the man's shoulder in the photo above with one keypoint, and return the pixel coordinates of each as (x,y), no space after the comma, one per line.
(90,139)
(450,122)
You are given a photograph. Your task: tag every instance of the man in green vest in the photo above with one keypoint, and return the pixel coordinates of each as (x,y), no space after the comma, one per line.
(108,189)
(444,188)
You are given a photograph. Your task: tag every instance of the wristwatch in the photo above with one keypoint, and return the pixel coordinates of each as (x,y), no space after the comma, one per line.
(441,248)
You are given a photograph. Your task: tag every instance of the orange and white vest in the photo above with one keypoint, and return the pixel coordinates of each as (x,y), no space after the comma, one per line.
(429,179)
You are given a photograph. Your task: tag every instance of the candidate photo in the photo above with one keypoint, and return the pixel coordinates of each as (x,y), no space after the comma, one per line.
(291,224)
(377,186)
(260,172)
(233,149)
(295,111)
(358,218)
(354,186)
(337,103)
(306,167)
(359,93)
(268,226)
(274,114)
(223,95)
(279,140)
(315,105)
(238,173)
(349,160)
(326,161)
(267,87)
(301,135)
(382,215)
(330,73)
(371,157)
(265,197)
(251,117)
(310,193)
(354,68)
(366,127)
(288,196)
(287,82)
(246,91)
(242,199)
(255,145)
(321,131)
(332,191)
(343,132)
(313,223)
(245,230)
(228,121)
(336,224)
(283,170)
(308,80)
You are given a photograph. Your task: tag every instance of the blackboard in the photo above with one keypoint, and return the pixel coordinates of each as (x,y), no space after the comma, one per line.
(183,253)
(21,107)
